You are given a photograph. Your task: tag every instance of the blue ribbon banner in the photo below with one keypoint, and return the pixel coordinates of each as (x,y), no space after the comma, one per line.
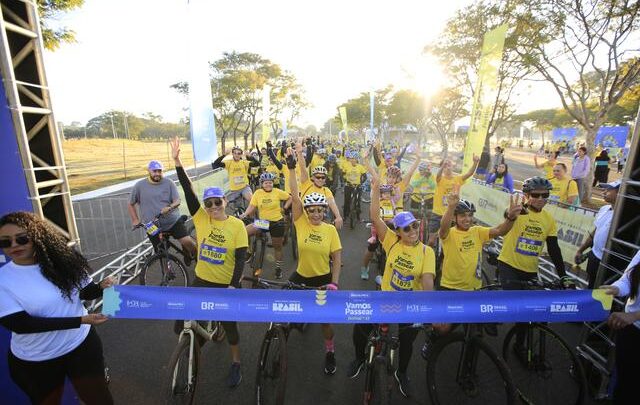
(319,306)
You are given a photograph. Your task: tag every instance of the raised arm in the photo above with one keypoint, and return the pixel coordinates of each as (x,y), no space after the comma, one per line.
(304,173)
(296,202)
(273,157)
(445,222)
(218,162)
(515,208)
(409,174)
(192,201)
(472,169)
(374,208)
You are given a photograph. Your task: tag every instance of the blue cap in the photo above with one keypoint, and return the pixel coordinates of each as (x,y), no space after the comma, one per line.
(155,165)
(211,192)
(388,156)
(609,186)
(403,219)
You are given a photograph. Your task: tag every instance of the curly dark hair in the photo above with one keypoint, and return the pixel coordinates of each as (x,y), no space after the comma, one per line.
(60,264)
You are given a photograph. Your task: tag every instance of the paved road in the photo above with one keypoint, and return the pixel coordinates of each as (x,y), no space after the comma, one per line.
(138,352)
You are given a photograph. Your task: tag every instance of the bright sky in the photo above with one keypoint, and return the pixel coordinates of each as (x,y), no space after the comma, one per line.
(130,52)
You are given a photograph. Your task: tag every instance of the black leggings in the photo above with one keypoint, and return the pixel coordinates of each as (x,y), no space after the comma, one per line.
(406,337)
(43,381)
(507,275)
(349,193)
(230,327)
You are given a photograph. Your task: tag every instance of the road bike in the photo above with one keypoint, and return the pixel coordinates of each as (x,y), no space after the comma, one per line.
(271,374)
(259,246)
(164,268)
(423,215)
(184,365)
(463,369)
(380,257)
(354,206)
(546,369)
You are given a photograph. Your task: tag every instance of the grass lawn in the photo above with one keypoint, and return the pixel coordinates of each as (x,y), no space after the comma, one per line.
(96,163)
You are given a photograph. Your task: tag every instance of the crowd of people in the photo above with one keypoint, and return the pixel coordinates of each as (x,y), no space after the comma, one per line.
(44,284)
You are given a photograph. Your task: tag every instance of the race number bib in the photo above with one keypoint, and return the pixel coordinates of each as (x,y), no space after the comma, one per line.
(528,247)
(261,224)
(151,228)
(387,212)
(238,180)
(400,282)
(212,254)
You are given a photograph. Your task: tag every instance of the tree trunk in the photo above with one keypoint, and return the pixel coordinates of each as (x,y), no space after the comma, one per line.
(444,144)
(590,144)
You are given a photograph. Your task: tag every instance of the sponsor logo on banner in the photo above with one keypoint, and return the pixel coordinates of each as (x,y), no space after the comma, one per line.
(175,305)
(455,308)
(413,308)
(138,304)
(565,308)
(286,306)
(321,297)
(212,306)
(490,308)
(390,308)
(358,310)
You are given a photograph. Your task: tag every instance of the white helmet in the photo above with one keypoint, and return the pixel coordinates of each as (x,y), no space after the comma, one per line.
(319,170)
(315,199)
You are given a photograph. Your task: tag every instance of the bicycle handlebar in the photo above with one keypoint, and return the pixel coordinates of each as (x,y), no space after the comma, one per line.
(266,283)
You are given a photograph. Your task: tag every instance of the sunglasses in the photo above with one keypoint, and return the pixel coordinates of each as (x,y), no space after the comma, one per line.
(412,226)
(539,195)
(20,240)
(320,177)
(315,210)
(211,201)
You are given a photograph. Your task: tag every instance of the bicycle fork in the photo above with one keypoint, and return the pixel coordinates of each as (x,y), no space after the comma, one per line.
(190,373)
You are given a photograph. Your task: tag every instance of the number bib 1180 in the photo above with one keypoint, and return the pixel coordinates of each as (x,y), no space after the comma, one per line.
(151,228)
(261,224)
(212,254)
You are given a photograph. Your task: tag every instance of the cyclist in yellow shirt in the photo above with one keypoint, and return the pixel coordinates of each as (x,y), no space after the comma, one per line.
(410,266)
(445,181)
(547,166)
(524,243)
(222,247)
(267,201)
(565,190)
(354,176)
(319,249)
(238,169)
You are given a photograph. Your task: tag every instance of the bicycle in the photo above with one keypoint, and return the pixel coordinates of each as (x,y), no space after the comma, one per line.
(184,365)
(237,207)
(163,268)
(365,196)
(290,235)
(354,206)
(463,368)
(380,256)
(259,246)
(547,370)
(271,375)
(381,363)
(424,215)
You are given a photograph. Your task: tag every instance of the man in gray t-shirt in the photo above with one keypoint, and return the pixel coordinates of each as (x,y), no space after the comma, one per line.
(158,195)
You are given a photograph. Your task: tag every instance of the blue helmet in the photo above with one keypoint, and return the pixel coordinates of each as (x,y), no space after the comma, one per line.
(267,176)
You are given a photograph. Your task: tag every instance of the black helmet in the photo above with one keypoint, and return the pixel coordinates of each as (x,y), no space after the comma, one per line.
(536,183)
(464,206)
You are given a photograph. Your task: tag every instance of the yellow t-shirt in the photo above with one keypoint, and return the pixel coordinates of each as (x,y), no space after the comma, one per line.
(382,172)
(548,169)
(387,212)
(315,162)
(397,196)
(315,245)
(237,173)
(268,203)
(463,257)
(217,244)
(444,187)
(352,174)
(406,265)
(342,162)
(563,189)
(285,171)
(525,241)
(309,187)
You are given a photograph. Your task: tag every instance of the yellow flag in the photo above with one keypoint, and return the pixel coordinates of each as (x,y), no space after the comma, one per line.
(485,94)
(345,126)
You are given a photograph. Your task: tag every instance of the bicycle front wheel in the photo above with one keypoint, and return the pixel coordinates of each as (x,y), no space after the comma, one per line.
(258,255)
(461,371)
(377,390)
(183,373)
(271,376)
(548,371)
(294,242)
(164,270)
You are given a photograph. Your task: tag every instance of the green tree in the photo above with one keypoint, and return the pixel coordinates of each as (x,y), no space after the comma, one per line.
(359,109)
(459,50)
(446,107)
(589,54)
(48,10)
